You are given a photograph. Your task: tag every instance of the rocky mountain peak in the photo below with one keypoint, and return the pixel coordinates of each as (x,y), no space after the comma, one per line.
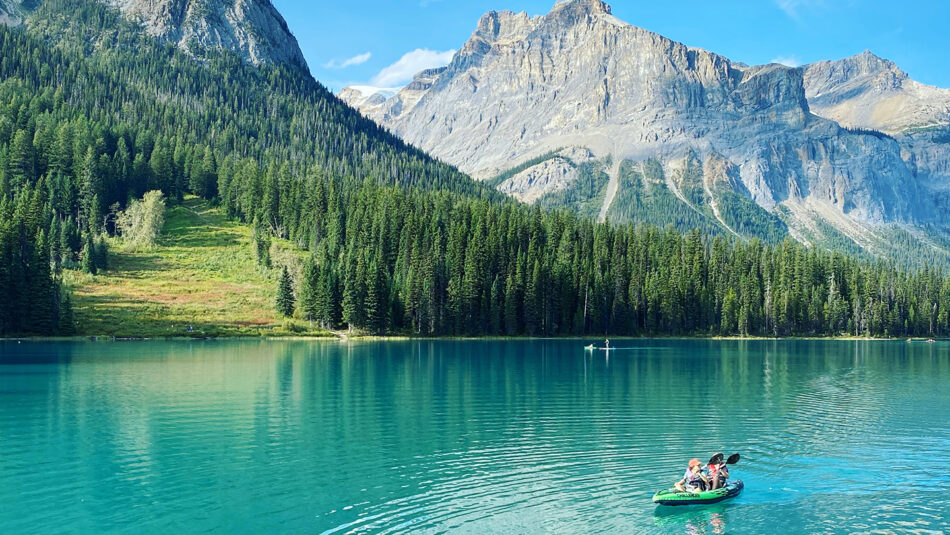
(522,89)
(572,13)
(584,7)
(500,26)
(251,28)
(866,91)
(497,26)
(871,62)
(865,69)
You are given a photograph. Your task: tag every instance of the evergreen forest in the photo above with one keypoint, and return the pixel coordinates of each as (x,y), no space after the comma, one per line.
(94,114)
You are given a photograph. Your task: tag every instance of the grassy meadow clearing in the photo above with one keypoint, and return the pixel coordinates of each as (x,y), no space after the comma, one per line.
(200,280)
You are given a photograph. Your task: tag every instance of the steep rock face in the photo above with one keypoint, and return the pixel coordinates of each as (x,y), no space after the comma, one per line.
(866,91)
(10,14)
(549,176)
(250,28)
(523,86)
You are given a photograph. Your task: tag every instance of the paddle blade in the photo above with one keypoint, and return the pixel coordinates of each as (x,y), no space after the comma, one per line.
(716,459)
(733,459)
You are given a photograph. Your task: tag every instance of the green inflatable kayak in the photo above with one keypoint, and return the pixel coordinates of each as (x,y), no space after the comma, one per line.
(675,497)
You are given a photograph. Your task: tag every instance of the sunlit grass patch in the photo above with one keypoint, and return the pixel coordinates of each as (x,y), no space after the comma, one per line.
(200,279)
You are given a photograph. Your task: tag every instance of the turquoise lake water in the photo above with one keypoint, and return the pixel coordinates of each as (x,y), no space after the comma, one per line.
(470,437)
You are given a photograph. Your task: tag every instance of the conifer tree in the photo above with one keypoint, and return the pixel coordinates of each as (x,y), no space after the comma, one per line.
(285,294)
(102,254)
(89,255)
(260,239)
(309,284)
(55,245)
(66,325)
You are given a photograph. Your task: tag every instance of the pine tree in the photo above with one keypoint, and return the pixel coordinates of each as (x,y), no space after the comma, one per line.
(285,295)
(309,288)
(22,159)
(90,191)
(55,245)
(260,240)
(101,254)
(89,256)
(70,241)
(354,292)
(730,312)
(66,324)
(512,306)
(377,298)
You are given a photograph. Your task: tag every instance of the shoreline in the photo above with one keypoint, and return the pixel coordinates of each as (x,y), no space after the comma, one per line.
(340,337)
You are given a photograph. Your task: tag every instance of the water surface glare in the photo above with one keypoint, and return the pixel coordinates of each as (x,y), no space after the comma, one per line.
(470,436)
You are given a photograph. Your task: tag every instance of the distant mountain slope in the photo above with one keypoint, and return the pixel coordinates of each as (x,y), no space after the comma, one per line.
(866,91)
(119,75)
(252,29)
(725,146)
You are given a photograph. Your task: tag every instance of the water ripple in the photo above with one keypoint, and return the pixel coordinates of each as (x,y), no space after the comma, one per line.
(471,437)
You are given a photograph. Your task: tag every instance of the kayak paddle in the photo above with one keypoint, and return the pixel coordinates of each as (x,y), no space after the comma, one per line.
(718,458)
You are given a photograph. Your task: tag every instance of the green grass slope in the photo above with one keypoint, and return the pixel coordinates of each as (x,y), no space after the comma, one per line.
(202,274)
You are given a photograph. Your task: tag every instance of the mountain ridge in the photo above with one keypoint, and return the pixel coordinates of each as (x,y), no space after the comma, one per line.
(523,86)
(867,91)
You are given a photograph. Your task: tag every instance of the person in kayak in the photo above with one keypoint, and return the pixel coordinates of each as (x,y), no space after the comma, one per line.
(716,475)
(693,480)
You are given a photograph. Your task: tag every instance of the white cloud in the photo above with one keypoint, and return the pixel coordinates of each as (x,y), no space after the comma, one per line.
(349,62)
(402,71)
(794,8)
(788,61)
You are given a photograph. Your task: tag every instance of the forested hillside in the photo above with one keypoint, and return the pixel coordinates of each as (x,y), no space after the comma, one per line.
(93,114)
(438,264)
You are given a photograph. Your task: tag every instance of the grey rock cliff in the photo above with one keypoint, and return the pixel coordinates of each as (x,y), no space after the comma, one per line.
(251,28)
(10,13)
(579,77)
(866,91)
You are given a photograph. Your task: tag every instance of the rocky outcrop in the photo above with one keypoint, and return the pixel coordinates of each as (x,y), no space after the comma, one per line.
(397,103)
(866,91)
(10,13)
(367,99)
(549,176)
(578,76)
(252,29)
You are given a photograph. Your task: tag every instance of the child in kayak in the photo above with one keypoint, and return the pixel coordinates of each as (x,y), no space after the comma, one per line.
(693,480)
(716,475)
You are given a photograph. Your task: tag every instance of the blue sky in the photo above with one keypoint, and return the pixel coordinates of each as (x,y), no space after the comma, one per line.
(384,42)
